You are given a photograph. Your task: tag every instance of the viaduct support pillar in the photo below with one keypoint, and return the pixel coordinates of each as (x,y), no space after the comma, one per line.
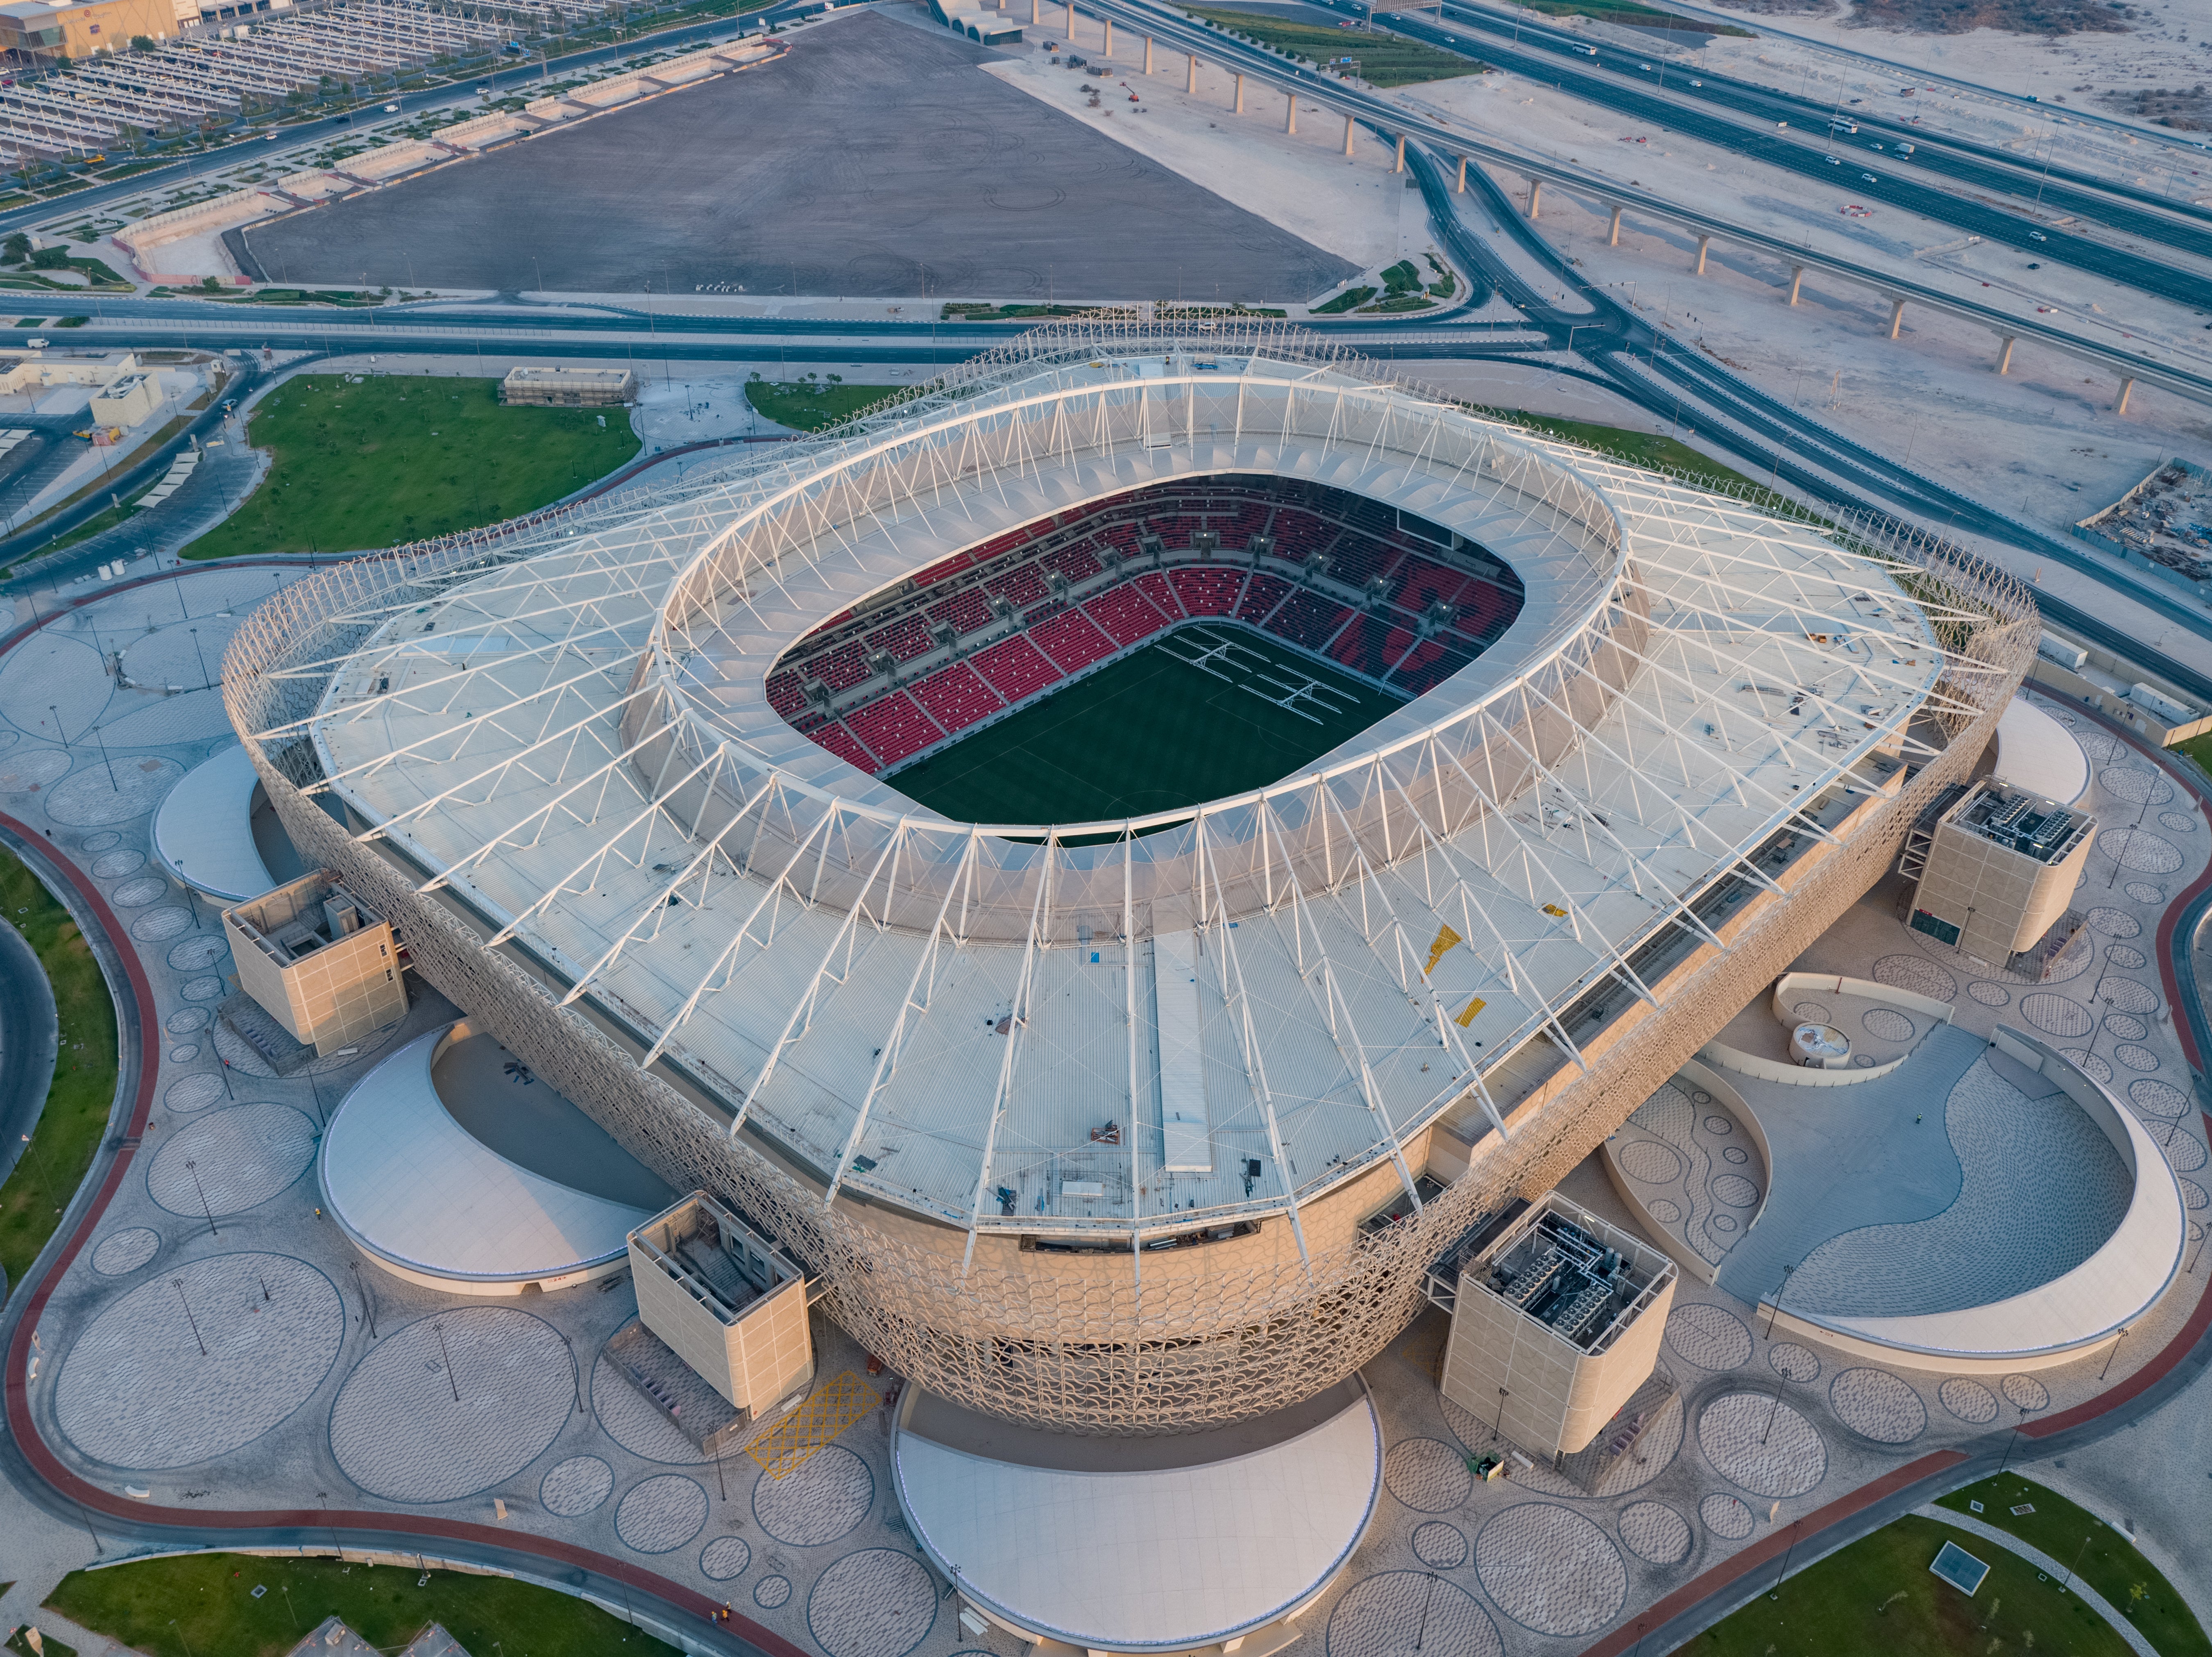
(1290,119)
(1612,231)
(1239,110)
(1347,135)
(1796,281)
(1033,13)
(1401,165)
(2127,386)
(1148,54)
(1463,176)
(1109,51)
(1896,317)
(2004,356)
(1071,22)
(1535,198)
(1704,242)
(1190,75)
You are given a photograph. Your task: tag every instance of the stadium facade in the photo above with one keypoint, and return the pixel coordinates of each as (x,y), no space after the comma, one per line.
(1146,1124)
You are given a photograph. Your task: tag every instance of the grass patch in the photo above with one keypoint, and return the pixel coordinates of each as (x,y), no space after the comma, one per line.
(957,311)
(396,458)
(1877,1596)
(89,528)
(102,482)
(1643,448)
(209,1596)
(1148,734)
(1385,60)
(2110,1563)
(1398,302)
(815,406)
(1629,12)
(1344,302)
(82,1090)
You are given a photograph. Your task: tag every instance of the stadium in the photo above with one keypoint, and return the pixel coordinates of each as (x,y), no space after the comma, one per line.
(1125,862)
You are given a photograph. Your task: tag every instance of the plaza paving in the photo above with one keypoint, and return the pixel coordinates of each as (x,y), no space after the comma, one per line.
(374,1394)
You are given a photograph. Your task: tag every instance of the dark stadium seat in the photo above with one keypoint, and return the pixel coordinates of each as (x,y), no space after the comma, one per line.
(1023,586)
(965,612)
(846,746)
(1373,645)
(1261,595)
(893,727)
(905,638)
(1016,668)
(1427,665)
(1078,563)
(787,693)
(1071,640)
(1309,619)
(956,696)
(1206,589)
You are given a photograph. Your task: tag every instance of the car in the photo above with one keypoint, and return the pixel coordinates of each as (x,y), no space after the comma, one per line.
(1696,83)
(391,109)
(2037,235)
(1874,146)
(1870,177)
(1833,161)
(1905,149)
(1587,52)
(1646,68)
(1781,126)
(270,137)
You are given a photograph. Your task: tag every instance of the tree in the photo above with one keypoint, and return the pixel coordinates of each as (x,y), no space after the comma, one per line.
(50,259)
(16,248)
(212,284)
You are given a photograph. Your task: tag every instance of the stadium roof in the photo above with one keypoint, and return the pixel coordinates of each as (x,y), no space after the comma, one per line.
(1279,990)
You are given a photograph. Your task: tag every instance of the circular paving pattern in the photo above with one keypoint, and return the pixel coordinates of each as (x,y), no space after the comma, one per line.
(1656,1532)
(136,1391)
(1990,995)
(184,1052)
(1734,1154)
(1665,1211)
(661,1514)
(636,1425)
(2088,1062)
(575,1486)
(1756,1440)
(1710,1337)
(2025,1392)
(239,1157)
(2126,1026)
(1726,1517)
(34,771)
(879,1602)
(2175,822)
(137,894)
(2135,784)
(198,953)
(816,1503)
(1875,1405)
(115,865)
(193,1093)
(724,1558)
(1813,1012)
(1969,1400)
(1427,1475)
(2144,893)
(2137,851)
(159,925)
(2125,956)
(247,1061)
(185,1019)
(771,1591)
(1735,1190)
(1649,1160)
(400,1433)
(2185,1154)
(2131,996)
(1390,1614)
(1719,1124)
(123,1251)
(2114,924)
(198,989)
(1439,1547)
(2193,1195)
(1886,1024)
(2138,1059)
(1551,1569)
(1793,1362)
(100,842)
(1723,1223)
(2157,1098)
(2055,1015)
(90,799)
(1916,973)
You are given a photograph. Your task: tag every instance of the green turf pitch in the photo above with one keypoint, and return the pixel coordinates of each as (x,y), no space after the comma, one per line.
(1153,732)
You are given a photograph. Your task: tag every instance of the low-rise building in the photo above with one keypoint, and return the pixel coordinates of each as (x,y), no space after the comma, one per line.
(126,400)
(1996,869)
(315,957)
(573,388)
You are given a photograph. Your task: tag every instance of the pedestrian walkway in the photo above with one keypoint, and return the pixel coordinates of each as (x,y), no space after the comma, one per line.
(2044,1563)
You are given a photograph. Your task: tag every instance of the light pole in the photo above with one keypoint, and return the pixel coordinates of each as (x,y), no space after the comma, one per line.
(192,1168)
(44,1179)
(439,1328)
(177,1283)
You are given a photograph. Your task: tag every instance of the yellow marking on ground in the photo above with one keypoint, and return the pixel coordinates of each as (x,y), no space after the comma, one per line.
(1445,941)
(830,1409)
(1466,1014)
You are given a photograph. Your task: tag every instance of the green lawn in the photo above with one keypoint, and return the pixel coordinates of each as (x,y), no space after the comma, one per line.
(203,1606)
(1148,734)
(813,405)
(1629,12)
(1876,1598)
(398,458)
(1385,60)
(2110,1563)
(16,1642)
(83,1087)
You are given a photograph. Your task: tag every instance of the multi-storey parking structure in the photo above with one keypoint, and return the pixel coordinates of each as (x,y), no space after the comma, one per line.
(1136,1125)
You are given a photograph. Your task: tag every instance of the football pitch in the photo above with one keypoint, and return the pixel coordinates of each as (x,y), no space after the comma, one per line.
(1209,711)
